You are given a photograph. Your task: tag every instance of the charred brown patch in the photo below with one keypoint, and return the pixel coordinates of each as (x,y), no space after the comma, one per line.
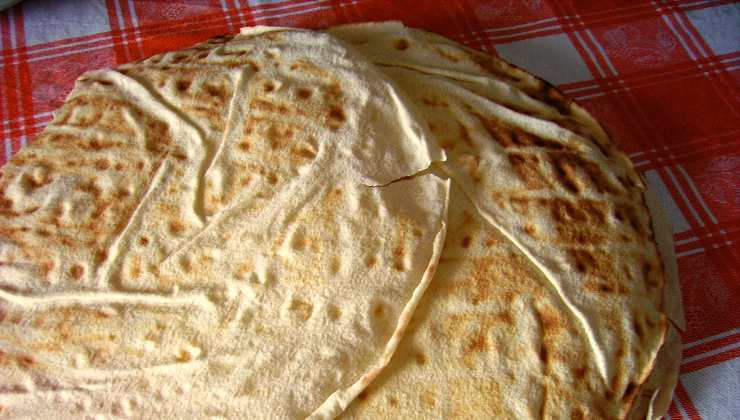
(370,261)
(336,117)
(477,343)
(493,66)
(630,392)
(401,44)
(465,242)
(303,93)
(584,261)
(183,85)
(639,329)
(552,96)
(301,309)
(102,164)
(465,136)
(583,211)
(509,136)
(573,170)
(176,227)
(399,254)
(100,256)
(333,312)
(77,271)
(527,168)
(26,361)
(379,311)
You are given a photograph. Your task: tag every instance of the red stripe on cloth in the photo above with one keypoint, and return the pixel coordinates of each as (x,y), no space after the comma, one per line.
(707,56)
(701,50)
(709,239)
(712,345)
(673,412)
(116,33)
(711,360)
(25,88)
(697,148)
(686,403)
(128,32)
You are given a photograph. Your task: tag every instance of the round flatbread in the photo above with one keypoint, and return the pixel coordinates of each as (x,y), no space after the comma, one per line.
(368,222)
(548,299)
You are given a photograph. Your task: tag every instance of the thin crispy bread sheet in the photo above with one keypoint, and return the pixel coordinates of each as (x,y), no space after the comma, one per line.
(234,230)
(580,335)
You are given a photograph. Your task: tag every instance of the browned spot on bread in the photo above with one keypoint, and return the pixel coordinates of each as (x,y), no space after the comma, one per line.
(379,311)
(481,278)
(528,170)
(333,312)
(477,343)
(568,211)
(100,256)
(244,146)
(102,164)
(393,401)
(335,265)
(176,227)
(506,316)
(370,261)
(529,229)
(584,261)
(272,178)
(493,66)
(335,117)
(638,327)
(577,413)
(399,254)
(183,85)
(26,361)
(302,310)
(304,153)
(465,242)
(143,241)
(420,358)
(627,213)
(432,101)
(573,170)
(471,164)
(77,271)
(401,44)
(648,271)
(465,135)
(579,372)
(507,135)
(268,86)
(362,396)
(630,392)
(552,96)
(303,93)
(544,356)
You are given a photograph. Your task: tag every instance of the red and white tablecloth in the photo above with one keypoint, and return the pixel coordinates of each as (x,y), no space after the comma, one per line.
(663,76)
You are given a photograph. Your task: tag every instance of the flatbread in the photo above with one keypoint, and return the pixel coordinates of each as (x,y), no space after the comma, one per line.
(251,228)
(233,230)
(579,334)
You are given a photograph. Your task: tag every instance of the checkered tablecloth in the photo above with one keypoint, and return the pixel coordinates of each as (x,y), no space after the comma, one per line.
(663,76)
